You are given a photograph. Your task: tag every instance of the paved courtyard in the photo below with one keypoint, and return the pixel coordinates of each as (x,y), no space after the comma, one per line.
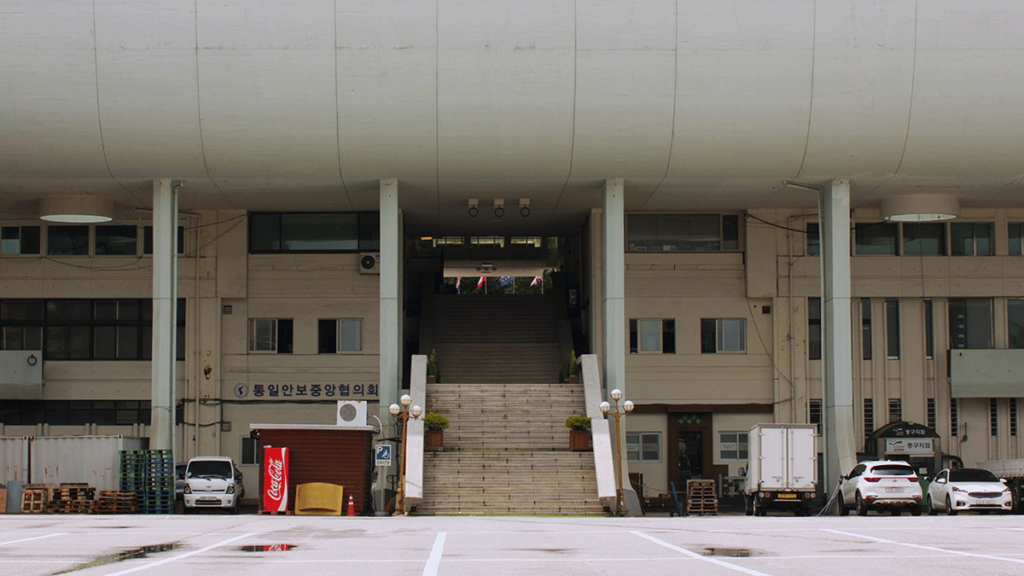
(497,546)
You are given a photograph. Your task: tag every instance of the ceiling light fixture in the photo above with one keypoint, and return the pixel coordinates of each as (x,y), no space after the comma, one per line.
(524,207)
(920,208)
(76,209)
(473,210)
(499,208)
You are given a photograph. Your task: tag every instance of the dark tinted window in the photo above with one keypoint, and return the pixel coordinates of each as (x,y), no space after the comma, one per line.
(892,470)
(67,240)
(117,240)
(971,475)
(209,468)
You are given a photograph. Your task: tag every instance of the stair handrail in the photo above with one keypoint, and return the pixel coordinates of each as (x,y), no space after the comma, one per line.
(604,465)
(414,438)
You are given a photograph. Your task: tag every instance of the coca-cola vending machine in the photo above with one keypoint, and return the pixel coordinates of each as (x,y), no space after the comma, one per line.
(275,479)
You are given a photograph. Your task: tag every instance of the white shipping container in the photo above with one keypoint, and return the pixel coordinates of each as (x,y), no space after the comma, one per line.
(13,459)
(95,460)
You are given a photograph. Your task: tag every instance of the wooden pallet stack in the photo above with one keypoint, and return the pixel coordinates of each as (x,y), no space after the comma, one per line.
(72,498)
(34,498)
(114,502)
(701,498)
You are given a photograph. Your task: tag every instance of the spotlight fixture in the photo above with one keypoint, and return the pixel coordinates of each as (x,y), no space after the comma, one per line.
(473,210)
(524,207)
(499,208)
(82,209)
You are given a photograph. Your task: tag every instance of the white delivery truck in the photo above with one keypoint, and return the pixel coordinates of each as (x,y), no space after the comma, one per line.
(1013,472)
(783,468)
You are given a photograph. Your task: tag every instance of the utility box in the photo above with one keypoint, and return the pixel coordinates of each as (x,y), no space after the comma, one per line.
(783,469)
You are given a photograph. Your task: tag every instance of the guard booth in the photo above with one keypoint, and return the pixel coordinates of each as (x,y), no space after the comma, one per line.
(916,444)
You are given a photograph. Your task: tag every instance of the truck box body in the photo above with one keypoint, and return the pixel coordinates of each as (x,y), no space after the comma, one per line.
(782,457)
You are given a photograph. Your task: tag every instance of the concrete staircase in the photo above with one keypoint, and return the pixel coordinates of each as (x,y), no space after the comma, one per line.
(497,338)
(507,452)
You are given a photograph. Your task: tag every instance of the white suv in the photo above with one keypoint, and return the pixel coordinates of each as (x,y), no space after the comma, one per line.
(878,485)
(213,482)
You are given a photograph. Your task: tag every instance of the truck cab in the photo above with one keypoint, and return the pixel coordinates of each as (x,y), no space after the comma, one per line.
(213,482)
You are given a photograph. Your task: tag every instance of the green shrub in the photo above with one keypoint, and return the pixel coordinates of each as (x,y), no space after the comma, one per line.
(577,422)
(434,421)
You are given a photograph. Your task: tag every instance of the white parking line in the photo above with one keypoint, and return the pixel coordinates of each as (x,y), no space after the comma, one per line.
(932,548)
(33,538)
(696,556)
(180,556)
(435,556)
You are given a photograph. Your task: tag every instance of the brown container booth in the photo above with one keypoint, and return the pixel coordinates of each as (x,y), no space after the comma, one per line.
(339,455)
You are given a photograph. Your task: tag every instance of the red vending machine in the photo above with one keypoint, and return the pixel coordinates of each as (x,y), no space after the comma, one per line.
(275,479)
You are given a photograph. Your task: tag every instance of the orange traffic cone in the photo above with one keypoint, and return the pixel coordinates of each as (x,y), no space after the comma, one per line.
(351,507)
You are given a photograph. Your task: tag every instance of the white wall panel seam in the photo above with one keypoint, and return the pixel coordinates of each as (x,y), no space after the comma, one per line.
(99,114)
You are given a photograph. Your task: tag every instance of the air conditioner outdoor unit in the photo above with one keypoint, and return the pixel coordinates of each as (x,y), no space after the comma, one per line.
(352,413)
(369,263)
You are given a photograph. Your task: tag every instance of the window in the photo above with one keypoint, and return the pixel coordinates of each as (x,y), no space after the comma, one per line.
(250,450)
(895,410)
(723,335)
(814,328)
(869,417)
(67,240)
(643,446)
(116,240)
(970,323)
(19,240)
(929,330)
(892,327)
(147,240)
(865,323)
(931,413)
(733,446)
(971,239)
(314,232)
(814,413)
(652,336)
(876,239)
(683,232)
(1015,322)
(76,412)
(993,417)
(813,239)
(924,239)
(84,329)
(1016,233)
(341,335)
(1013,416)
(270,335)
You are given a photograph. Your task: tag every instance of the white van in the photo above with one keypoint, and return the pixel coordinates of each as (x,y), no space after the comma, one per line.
(213,482)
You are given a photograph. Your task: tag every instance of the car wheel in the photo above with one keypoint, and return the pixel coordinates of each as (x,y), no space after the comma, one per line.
(949,508)
(843,510)
(862,506)
(895,511)
(931,507)
(915,510)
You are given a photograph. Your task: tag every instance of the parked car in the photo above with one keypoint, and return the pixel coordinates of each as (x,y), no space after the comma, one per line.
(179,481)
(954,490)
(213,482)
(880,485)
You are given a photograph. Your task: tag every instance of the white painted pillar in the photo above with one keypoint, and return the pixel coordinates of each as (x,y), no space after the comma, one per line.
(837,344)
(614,328)
(390,307)
(165,311)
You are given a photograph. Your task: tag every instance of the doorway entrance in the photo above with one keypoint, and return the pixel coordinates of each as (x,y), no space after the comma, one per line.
(689,448)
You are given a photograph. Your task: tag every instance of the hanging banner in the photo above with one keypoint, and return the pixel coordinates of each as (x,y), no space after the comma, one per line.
(275,479)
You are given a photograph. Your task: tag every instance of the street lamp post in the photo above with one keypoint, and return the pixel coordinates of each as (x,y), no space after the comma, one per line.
(405,411)
(627,407)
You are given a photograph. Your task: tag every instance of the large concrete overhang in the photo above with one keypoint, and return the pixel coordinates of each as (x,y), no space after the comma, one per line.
(697,105)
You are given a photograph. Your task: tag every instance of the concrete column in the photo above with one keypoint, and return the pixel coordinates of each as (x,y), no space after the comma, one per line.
(165,306)
(837,345)
(390,306)
(614,321)
(596,267)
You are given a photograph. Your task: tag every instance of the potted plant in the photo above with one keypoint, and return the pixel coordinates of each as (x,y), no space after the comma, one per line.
(434,425)
(433,375)
(579,432)
(574,370)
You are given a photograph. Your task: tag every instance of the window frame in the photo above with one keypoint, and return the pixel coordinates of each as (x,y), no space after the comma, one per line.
(38,232)
(666,336)
(367,232)
(965,302)
(330,335)
(257,449)
(652,246)
(282,334)
(635,443)
(720,333)
(742,438)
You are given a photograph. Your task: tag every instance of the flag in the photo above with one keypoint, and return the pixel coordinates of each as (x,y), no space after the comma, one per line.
(480,284)
(505,281)
(458,281)
(536,280)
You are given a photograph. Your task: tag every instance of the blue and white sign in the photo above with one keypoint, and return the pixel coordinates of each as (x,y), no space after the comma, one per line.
(382,455)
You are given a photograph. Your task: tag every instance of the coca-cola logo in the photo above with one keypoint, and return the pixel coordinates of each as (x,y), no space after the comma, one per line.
(275,471)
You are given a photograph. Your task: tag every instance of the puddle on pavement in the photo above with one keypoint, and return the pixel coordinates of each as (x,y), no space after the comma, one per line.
(730,552)
(268,548)
(132,554)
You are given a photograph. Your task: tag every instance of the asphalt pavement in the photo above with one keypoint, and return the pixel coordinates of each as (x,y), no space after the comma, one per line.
(251,545)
